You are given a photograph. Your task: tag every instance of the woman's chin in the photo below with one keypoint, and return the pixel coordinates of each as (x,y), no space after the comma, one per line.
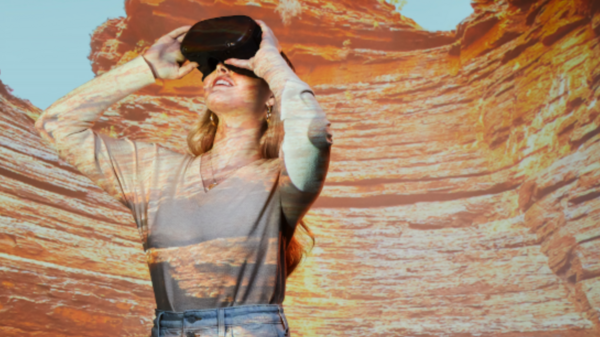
(218,102)
(220,95)
(225,103)
(221,107)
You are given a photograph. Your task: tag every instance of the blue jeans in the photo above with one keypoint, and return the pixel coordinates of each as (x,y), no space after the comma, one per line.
(259,320)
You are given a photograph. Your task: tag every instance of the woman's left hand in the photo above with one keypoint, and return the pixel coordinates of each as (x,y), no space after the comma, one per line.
(266,58)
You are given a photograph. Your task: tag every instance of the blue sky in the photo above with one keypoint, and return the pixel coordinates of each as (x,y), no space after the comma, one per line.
(436,15)
(45,43)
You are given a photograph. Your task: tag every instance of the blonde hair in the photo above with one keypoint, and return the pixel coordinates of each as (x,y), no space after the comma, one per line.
(200,140)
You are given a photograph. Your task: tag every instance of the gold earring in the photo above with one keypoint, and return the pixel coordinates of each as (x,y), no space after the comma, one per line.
(212,120)
(269,109)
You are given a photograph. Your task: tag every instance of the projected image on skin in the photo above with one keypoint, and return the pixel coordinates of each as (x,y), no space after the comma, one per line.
(218,223)
(461,198)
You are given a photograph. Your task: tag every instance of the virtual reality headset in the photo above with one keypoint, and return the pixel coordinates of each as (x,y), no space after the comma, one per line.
(215,40)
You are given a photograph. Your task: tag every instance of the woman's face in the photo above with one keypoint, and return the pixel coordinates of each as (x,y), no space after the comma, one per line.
(230,94)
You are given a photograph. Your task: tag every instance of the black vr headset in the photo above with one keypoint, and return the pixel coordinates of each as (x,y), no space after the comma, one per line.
(215,40)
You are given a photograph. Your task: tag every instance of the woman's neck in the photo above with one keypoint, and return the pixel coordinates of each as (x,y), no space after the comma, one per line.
(236,143)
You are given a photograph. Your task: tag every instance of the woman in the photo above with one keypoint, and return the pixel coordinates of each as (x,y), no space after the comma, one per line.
(217,225)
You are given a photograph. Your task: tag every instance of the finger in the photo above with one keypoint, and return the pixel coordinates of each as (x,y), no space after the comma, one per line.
(238,63)
(262,24)
(266,30)
(268,34)
(186,69)
(181,37)
(179,57)
(246,64)
(175,33)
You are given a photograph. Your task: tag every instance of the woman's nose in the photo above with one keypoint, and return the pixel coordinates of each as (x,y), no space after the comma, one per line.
(222,68)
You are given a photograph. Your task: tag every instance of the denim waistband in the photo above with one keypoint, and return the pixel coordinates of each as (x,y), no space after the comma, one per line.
(219,317)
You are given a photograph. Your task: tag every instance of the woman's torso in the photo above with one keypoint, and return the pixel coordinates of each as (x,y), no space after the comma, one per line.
(217,248)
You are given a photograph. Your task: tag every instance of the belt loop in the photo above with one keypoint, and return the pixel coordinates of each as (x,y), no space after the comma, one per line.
(221,322)
(182,323)
(283,320)
(158,316)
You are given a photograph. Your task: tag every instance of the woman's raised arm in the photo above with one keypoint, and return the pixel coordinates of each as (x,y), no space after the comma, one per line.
(67,124)
(115,165)
(78,111)
(307,140)
(305,149)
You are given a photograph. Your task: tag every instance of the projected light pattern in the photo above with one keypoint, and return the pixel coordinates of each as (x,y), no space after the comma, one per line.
(462,198)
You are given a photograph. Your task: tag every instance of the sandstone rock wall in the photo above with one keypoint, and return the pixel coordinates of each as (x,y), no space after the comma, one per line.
(71,262)
(462,197)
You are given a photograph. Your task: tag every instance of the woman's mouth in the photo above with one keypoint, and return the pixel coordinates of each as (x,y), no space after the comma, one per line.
(222,82)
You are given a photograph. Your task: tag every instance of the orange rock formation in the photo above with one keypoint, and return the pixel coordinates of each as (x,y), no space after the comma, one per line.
(462,198)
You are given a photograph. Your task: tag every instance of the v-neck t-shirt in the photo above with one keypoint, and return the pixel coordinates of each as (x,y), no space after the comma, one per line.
(218,247)
(205,249)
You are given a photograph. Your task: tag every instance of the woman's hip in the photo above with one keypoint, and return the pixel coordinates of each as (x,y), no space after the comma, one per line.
(259,320)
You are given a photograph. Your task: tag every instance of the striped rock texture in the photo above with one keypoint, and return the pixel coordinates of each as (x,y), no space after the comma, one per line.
(71,261)
(463,197)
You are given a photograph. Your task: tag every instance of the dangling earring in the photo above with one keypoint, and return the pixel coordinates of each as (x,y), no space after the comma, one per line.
(212,120)
(269,109)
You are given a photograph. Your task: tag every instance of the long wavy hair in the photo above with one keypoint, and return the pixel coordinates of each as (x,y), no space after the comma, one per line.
(200,140)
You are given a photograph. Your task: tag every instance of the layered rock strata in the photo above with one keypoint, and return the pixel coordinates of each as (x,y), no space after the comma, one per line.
(463,194)
(70,256)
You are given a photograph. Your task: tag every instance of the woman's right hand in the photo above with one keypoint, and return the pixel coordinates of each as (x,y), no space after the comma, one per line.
(165,58)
